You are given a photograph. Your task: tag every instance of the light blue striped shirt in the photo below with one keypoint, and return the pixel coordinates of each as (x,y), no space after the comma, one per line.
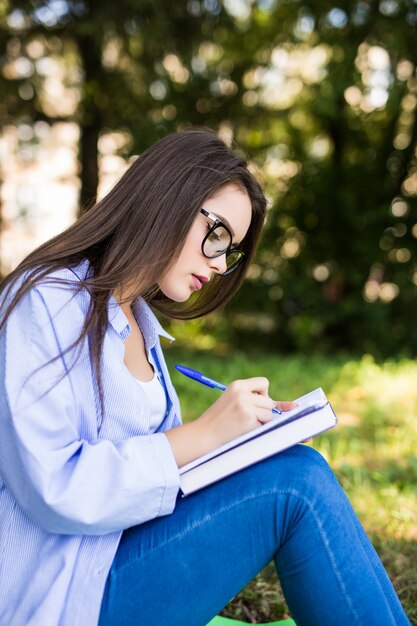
(69,483)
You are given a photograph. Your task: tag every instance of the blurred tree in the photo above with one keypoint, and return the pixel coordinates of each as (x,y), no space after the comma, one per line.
(119,60)
(334,96)
(322,98)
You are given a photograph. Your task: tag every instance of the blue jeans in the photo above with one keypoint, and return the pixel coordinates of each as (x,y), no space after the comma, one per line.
(182,569)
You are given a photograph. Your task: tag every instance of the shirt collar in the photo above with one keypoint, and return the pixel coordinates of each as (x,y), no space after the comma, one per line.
(117,319)
(145,317)
(148,323)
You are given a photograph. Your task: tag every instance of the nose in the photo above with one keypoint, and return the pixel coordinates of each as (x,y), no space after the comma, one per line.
(218,264)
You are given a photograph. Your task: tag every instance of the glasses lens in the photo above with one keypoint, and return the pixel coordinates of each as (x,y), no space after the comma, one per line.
(233,258)
(217,242)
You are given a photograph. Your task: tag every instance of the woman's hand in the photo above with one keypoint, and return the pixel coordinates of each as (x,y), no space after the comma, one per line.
(286,406)
(243,406)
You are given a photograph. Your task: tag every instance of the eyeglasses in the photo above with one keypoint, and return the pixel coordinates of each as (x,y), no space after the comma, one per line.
(218,241)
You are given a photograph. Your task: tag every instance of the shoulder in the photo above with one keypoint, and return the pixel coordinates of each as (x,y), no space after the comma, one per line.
(59,293)
(64,285)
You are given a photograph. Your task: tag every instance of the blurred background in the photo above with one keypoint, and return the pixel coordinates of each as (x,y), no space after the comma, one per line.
(321,97)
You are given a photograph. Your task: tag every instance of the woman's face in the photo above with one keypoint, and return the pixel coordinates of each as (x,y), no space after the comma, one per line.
(192,269)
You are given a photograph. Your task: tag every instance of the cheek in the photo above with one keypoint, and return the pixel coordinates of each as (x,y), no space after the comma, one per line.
(186,261)
(192,246)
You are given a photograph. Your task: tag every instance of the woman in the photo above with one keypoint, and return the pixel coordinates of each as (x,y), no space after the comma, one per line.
(92,529)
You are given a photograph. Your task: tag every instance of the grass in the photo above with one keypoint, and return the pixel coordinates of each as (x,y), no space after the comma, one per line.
(372,451)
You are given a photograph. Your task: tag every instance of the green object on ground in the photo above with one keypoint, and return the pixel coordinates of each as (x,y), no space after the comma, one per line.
(226,621)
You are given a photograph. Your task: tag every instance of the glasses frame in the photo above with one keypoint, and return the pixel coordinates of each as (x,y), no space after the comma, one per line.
(229,249)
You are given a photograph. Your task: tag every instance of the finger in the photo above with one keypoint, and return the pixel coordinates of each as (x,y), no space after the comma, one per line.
(263,416)
(263,408)
(257,384)
(286,406)
(262,402)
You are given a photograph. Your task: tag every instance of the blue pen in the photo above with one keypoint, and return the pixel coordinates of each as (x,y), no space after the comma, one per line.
(205,380)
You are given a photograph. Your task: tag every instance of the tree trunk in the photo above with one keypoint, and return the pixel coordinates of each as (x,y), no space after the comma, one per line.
(1,210)
(88,157)
(91,121)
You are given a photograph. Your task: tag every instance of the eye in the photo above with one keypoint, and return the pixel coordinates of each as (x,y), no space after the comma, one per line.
(214,237)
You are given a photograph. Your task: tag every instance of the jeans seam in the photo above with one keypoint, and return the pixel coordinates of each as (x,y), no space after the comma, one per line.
(237,503)
(328,551)
(204,520)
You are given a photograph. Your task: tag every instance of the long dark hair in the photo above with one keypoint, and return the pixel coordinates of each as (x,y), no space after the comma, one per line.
(139,228)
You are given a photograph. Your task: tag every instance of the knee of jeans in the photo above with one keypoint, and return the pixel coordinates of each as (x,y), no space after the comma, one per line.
(308,454)
(308,468)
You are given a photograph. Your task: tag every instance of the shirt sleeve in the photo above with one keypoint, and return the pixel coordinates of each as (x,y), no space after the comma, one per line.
(65,483)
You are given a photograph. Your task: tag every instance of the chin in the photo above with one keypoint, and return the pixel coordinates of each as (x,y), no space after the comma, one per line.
(181,299)
(175,296)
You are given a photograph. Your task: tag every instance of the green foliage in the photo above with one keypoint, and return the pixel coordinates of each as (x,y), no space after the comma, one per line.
(321,97)
(372,451)
(337,264)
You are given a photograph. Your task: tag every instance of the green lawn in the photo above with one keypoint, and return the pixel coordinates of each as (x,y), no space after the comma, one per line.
(373,451)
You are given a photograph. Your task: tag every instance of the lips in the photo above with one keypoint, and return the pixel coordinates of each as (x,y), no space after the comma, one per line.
(199,281)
